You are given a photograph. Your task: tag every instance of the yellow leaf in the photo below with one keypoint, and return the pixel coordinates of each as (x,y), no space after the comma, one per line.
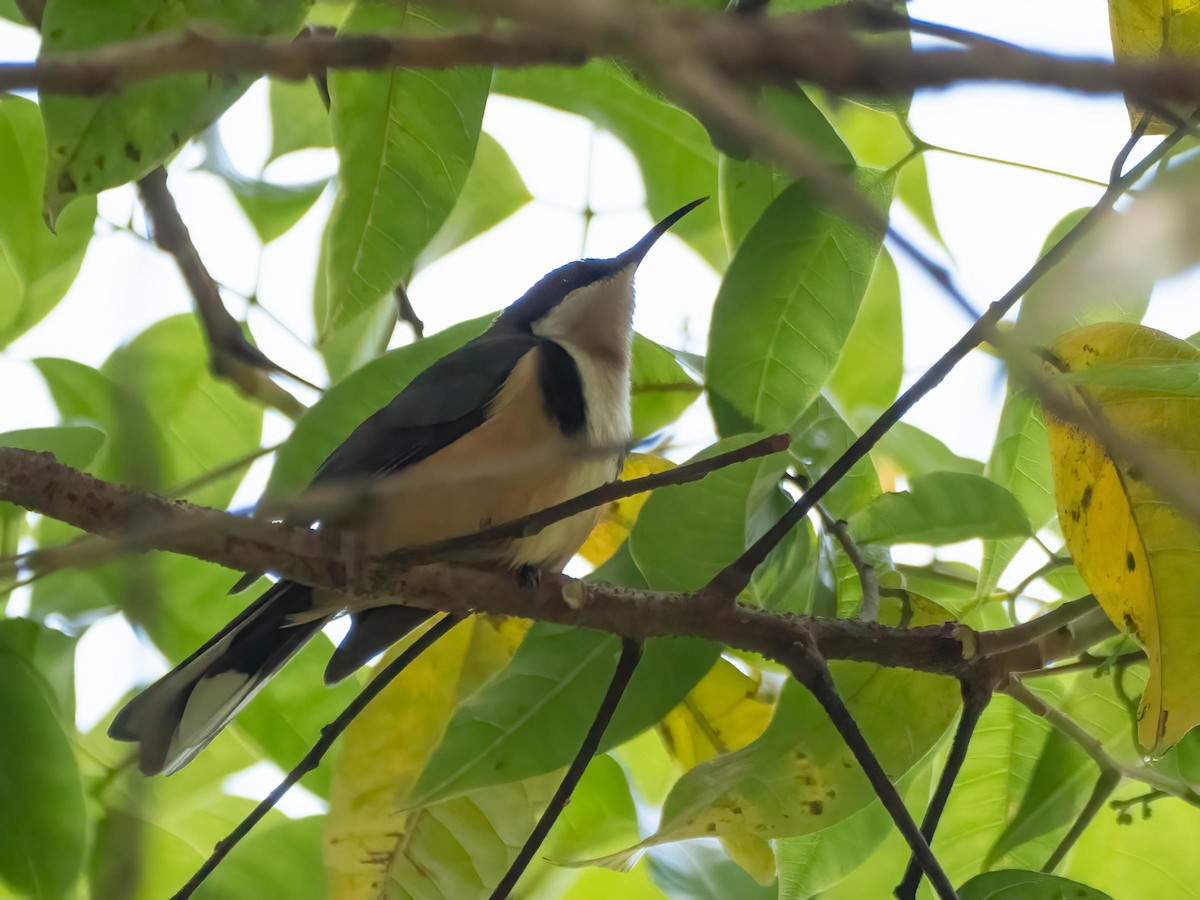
(1138,555)
(387,746)
(1145,29)
(725,711)
(618,517)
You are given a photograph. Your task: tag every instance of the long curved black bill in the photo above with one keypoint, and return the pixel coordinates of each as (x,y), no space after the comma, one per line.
(638,251)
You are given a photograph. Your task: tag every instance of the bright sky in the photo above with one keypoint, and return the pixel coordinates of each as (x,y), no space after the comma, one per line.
(994,217)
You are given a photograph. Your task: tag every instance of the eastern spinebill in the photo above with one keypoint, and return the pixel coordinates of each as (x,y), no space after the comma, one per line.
(534,411)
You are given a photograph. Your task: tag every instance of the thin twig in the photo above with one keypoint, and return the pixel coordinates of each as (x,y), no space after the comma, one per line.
(976,695)
(1093,747)
(814,674)
(735,576)
(1105,785)
(232,356)
(406,313)
(631,653)
(1088,662)
(991,643)
(867,578)
(313,758)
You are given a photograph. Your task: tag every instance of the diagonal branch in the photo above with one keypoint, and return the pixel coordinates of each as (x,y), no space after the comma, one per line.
(737,575)
(232,356)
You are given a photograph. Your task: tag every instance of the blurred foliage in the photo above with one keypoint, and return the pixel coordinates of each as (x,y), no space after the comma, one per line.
(435,787)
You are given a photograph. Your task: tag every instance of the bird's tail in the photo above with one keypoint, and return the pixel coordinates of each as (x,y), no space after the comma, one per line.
(174,718)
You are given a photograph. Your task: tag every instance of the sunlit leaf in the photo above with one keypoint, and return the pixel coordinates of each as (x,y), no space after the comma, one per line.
(784,311)
(867,376)
(915,452)
(279,860)
(492,192)
(660,388)
(677,159)
(1137,553)
(405,140)
(299,120)
(531,718)
(1145,30)
(702,872)
(725,711)
(941,508)
(100,142)
(36,266)
(748,186)
(617,518)
(386,748)
(799,776)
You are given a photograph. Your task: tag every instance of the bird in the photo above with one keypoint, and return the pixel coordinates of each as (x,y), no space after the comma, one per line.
(534,411)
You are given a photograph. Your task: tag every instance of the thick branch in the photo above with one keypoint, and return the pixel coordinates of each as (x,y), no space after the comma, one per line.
(38,483)
(823,50)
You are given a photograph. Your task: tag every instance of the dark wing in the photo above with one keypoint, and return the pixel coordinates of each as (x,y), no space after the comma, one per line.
(438,407)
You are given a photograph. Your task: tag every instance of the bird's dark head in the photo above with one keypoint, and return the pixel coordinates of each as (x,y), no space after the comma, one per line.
(588,302)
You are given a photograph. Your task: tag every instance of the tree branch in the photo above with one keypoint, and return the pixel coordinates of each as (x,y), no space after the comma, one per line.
(824,49)
(232,356)
(38,483)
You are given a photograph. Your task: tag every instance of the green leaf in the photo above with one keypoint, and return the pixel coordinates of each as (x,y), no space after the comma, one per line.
(810,864)
(51,653)
(9,11)
(915,452)
(1064,775)
(994,777)
(748,187)
(941,508)
(43,822)
(819,437)
(800,777)
(72,445)
(281,860)
(492,192)
(1012,884)
(274,208)
(685,534)
(532,716)
(203,422)
(405,140)
(299,120)
(784,311)
(1020,462)
(271,208)
(700,872)
(351,401)
(660,388)
(100,142)
(36,266)
(677,160)
(867,376)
